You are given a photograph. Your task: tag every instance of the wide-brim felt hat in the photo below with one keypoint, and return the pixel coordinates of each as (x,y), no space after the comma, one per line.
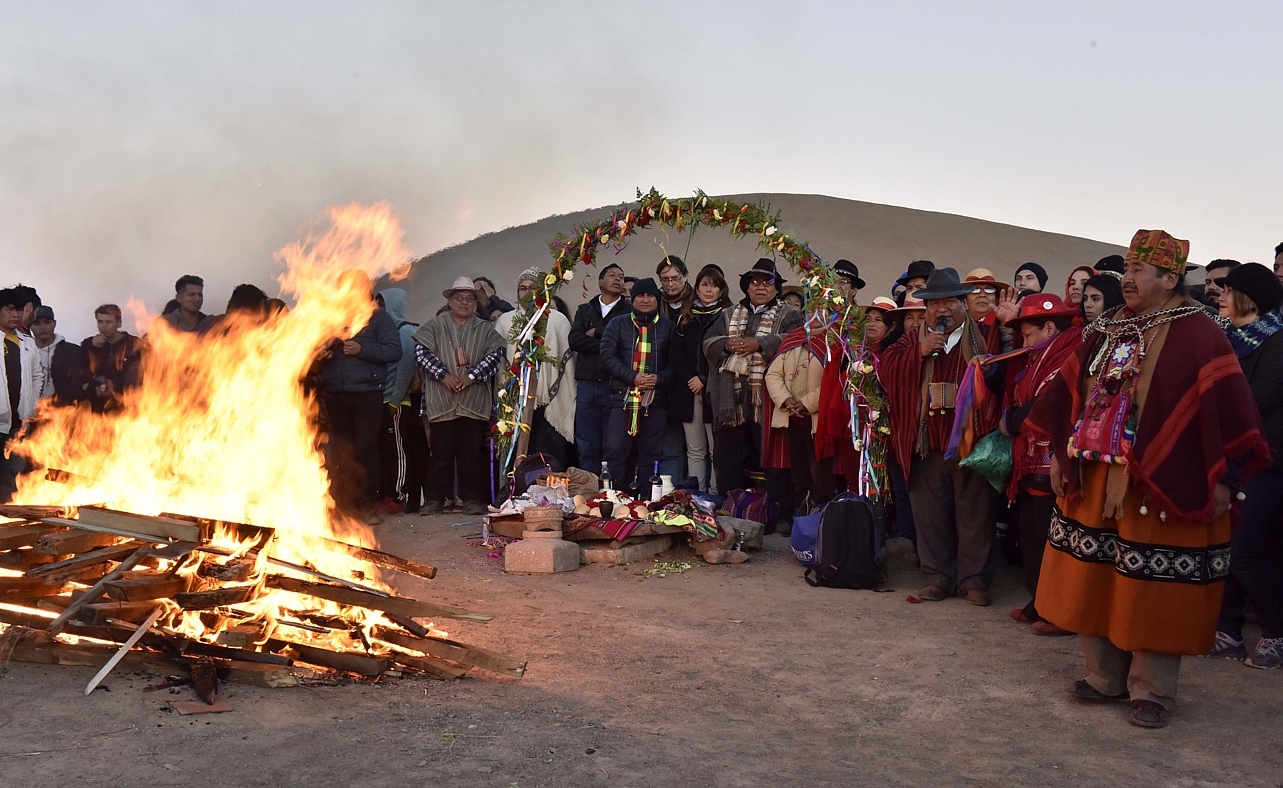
(910,305)
(850,271)
(944,283)
(460,283)
(983,276)
(1042,306)
(883,303)
(764,268)
(789,289)
(917,268)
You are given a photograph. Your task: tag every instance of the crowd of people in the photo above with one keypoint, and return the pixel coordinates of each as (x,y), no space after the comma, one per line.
(1142,413)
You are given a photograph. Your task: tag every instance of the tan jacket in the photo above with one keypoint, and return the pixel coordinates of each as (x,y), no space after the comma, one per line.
(797,374)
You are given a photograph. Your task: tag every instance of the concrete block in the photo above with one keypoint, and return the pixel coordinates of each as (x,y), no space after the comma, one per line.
(541,553)
(627,554)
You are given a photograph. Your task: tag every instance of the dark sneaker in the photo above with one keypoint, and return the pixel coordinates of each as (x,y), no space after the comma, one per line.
(474,509)
(430,509)
(1088,694)
(1148,714)
(1266,655)
(1226,647)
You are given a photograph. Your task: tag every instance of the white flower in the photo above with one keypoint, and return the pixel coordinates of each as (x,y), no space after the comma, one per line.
(568,275)
(873,415)
(769,230)
(859,445)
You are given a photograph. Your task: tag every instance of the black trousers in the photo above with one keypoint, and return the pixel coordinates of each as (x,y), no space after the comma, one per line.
(1256,559)
(352,452)
(809,474)
(1033,517)
(459,446)
(545,439)
(649,443)
(738,450)
(403,455)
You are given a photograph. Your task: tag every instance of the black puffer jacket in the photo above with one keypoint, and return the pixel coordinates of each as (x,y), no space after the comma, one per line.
(1264,372)
(588,364)
(617,355)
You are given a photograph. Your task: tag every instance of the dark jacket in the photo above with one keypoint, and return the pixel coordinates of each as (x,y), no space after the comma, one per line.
(588,364)
(1264,372)
(69,369)
(617,344)
(368,370)
(688,362)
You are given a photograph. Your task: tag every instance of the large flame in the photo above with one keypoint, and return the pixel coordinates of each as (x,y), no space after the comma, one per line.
(221,427)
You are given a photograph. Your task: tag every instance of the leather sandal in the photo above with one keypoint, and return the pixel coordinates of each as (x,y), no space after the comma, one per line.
(1148,714)
(1049,630)
(1086,693)
(977,596)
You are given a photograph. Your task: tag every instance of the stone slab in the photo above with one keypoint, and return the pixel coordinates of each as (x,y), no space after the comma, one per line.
(541,553)
(627,554)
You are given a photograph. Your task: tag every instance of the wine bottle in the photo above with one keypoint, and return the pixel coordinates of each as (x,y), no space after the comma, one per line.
(607,483)
(656,485)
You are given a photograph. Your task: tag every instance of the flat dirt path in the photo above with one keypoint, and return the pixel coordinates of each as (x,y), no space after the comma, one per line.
(719,676)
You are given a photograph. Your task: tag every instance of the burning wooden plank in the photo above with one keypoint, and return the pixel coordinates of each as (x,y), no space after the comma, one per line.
(62,570)
(403,606)
(216,597)
(385,560)
(70,542)
(335,660)
(23,588)
(95,591)
(142,587)
(24,536)
(455,652)
(129,524)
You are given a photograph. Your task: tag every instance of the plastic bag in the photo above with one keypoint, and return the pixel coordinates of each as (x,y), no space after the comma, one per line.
(991,458)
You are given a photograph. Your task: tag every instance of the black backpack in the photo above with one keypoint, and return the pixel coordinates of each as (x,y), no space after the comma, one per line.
(851,544)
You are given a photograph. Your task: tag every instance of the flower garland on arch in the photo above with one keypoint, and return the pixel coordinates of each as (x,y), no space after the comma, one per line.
(700,210)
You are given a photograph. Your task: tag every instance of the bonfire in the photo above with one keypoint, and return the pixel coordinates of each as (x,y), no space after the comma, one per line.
(193,526)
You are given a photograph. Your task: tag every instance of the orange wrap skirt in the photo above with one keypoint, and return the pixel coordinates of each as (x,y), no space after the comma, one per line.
(1145,584)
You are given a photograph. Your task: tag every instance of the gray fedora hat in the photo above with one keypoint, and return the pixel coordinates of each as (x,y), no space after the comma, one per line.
(944,283)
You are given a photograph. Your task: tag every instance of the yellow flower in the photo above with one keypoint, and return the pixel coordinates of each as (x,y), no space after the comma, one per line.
(837,299)
(550,280)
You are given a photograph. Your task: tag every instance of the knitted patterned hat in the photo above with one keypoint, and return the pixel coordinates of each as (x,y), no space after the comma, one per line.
(1159,249)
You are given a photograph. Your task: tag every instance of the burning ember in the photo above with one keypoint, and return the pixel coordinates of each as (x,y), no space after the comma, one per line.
(146,523)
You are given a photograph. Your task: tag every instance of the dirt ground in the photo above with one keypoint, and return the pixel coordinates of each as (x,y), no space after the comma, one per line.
(720,676)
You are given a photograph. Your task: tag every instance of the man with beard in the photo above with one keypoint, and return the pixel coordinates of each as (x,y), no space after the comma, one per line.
(1151,436)
(1217,269)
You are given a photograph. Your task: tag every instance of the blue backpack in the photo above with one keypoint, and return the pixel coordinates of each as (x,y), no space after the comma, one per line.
(841,544)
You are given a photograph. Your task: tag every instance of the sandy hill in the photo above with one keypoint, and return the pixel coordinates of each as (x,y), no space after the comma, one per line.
(880,239)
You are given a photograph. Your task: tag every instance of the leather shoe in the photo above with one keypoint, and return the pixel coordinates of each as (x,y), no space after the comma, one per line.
(977,596)
(1148,714)
(1049,630)
(1018,615)
(1088,694)
(932,594)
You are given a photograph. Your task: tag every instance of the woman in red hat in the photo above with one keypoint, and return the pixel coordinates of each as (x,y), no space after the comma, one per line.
(1043,322)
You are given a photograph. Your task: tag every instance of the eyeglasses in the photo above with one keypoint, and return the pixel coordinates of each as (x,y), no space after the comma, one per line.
(671,279)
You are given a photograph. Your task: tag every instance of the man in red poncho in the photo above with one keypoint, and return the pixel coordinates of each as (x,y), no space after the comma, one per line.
(1152,431)
(1044,323)
(954,507)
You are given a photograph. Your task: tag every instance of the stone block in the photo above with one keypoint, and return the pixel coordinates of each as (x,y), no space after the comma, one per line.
(541,553)
(750,532)
(653,545)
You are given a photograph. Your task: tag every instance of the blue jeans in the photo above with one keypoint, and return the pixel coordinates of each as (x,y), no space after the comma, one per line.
(673,460)
(592,414)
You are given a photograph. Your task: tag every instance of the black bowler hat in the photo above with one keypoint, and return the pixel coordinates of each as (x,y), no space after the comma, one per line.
(944,283)
(847,268)
(1256,282)
(918,268)
(764,268)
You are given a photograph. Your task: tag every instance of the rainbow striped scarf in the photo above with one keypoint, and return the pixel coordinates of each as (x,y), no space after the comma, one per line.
(635,399)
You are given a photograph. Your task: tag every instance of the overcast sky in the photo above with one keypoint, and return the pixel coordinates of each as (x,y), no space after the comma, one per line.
(141,141)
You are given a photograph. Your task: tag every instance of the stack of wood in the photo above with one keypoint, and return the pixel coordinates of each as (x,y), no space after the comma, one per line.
(97,587)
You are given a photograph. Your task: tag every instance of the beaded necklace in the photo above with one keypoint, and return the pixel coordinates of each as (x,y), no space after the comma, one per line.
(1130,329)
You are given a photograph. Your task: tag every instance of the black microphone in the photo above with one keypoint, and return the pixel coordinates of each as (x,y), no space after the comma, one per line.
(941,325)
